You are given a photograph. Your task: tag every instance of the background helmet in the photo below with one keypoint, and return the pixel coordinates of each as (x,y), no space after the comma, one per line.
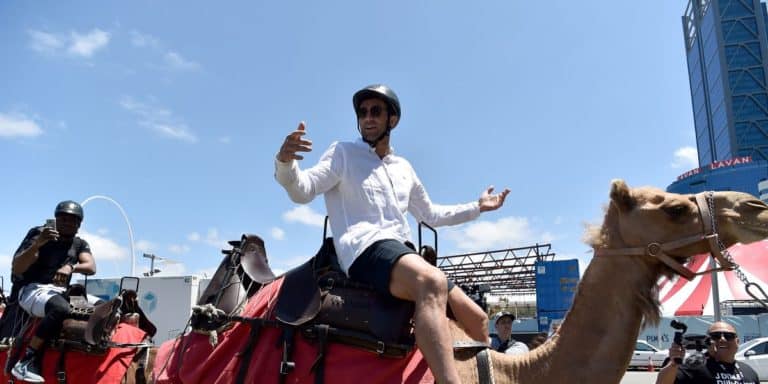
(501,314)
(70,207)
(378,91)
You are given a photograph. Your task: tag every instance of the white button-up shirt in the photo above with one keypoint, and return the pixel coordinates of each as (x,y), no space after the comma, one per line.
(367,197)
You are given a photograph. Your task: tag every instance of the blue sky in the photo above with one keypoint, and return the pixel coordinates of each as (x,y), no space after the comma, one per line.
(175,110)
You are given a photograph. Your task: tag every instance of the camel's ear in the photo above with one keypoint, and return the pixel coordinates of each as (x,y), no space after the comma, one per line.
(620,195)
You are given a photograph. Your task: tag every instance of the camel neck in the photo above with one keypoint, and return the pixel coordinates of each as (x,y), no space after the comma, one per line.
(597,337)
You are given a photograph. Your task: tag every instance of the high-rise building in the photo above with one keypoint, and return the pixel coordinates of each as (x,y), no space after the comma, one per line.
(726,44)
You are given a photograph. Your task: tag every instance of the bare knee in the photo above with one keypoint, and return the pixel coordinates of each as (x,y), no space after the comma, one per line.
(433,283)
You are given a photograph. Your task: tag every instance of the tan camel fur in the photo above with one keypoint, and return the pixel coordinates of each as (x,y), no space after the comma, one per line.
(617,292)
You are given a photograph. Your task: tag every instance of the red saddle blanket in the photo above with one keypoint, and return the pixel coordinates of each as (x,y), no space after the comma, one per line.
(192,359)
(83,368)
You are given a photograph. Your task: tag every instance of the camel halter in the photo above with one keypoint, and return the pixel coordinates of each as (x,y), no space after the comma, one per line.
(705,202)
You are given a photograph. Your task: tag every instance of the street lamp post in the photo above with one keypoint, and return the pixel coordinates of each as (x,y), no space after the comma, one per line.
(152,269)
(127,222)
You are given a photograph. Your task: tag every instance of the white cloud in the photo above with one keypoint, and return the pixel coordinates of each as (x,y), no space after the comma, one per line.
(45,42)
(86,44)
(75,44)
(686,158)
(505,233)
(178,132)
(178,249)
(145,246)
(160,120)
(225,140)
(212,238)
(174,60)
(277,233)
(139,39)
(305,215)
(104,248)
(18,126)
(171,59)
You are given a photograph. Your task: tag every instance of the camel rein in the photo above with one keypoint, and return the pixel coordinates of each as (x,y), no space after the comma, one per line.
(705,202)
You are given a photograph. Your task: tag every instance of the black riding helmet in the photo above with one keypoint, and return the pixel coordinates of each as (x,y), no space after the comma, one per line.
(384,93)
(69,207)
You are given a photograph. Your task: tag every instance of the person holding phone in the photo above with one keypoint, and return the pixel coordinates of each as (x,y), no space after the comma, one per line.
(41,270)
(719,366)
(368,192)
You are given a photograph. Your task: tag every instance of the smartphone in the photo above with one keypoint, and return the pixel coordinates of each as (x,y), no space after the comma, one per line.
(50,223)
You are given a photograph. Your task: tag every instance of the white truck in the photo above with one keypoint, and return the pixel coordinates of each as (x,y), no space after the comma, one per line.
(167,301)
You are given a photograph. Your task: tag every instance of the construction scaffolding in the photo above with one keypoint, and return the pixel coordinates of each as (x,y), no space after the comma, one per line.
(505,272)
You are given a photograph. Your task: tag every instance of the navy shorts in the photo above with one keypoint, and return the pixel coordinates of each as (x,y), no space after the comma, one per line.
(374,265)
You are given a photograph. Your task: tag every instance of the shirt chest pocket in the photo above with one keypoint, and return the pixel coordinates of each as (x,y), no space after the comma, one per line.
(375,193)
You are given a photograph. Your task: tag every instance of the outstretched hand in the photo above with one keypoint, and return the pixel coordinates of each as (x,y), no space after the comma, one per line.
(489,202)
(293,143)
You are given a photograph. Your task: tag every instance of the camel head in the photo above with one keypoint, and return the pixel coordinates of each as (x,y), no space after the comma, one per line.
(637,217)
(652,233)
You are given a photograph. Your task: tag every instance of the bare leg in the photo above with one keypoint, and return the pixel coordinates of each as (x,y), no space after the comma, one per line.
(415,280)
(471,317)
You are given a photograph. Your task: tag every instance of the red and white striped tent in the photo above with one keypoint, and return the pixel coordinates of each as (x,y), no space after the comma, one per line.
(680,297)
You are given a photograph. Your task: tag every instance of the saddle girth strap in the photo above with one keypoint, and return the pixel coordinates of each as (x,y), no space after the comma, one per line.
(245,356)
(286,364)
(482,358)
(484,374)
(319,365)
(61,369)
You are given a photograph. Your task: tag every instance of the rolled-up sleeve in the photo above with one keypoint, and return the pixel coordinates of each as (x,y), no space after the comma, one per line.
(303,185)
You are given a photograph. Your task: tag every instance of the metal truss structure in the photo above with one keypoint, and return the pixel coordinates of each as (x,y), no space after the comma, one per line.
(506,272)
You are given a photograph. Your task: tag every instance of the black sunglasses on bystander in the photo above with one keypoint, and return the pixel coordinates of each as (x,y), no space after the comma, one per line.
(717,335)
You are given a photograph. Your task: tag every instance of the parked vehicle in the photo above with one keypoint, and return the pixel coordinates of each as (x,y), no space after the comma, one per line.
(755,354)
(644,350)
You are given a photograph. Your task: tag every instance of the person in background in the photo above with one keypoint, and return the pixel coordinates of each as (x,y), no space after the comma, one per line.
(720,365)
(502,341)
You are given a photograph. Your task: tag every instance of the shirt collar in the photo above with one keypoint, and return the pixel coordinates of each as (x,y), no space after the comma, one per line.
(359,141)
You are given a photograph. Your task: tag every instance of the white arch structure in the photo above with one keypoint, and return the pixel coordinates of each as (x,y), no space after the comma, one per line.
(127,222)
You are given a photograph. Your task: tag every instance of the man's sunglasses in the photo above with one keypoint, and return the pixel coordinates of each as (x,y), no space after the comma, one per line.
(375,112)
(727,335)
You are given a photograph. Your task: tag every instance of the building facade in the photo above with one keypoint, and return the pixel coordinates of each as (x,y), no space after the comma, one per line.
(726,44)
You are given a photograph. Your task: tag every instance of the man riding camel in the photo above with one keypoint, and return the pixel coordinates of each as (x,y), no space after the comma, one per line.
(368,190)
(42,268)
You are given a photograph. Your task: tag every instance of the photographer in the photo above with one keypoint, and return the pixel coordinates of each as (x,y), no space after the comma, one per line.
(720,365)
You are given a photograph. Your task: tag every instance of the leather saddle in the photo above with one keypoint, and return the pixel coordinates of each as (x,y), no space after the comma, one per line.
(90,328)
(244,269)
(319,293)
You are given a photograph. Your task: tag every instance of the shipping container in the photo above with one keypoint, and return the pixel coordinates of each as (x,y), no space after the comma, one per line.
(556,283)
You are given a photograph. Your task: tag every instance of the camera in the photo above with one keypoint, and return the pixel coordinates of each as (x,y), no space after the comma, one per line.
(50,223)
(680,328)
(477,293)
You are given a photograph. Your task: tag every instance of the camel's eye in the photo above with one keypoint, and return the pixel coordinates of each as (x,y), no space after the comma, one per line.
(675,211)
